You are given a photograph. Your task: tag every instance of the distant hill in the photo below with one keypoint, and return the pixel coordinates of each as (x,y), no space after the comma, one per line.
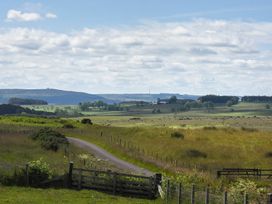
(146,97)
(55,96)
(52,96)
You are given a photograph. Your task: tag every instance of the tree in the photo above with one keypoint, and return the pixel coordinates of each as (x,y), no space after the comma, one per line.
(173,100)
(208,105)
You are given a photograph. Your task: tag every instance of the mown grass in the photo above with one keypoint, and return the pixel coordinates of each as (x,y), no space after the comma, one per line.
(15,195)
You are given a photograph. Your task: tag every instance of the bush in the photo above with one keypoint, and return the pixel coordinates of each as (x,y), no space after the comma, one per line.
(195,153)
(209,128)
(241,186)
(249,129)
(39,171)
(268,154)
(50,139)
(86,121)
(177,135)
(68,126)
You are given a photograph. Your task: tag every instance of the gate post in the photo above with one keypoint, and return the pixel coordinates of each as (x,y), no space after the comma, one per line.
(70,174)
(269,198)
(225,197)
(27,174)
(193,194)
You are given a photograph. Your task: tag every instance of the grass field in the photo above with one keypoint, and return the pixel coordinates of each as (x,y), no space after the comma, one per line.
(15,195)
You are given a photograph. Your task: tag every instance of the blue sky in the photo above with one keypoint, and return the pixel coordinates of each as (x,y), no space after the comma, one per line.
(121,46)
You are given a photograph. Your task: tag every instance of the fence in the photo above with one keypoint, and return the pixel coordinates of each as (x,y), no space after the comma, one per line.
(176,193)
(113,182)
(143,186)
(242,172)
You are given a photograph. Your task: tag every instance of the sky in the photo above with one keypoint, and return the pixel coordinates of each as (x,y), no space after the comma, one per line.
(121,46)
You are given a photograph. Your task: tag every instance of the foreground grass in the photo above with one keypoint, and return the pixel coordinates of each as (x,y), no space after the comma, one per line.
(15,195)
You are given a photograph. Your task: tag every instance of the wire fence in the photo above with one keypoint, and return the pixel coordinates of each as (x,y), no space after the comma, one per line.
(176,193)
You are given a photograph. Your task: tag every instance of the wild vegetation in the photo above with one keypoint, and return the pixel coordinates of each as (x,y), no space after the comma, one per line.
(187,146)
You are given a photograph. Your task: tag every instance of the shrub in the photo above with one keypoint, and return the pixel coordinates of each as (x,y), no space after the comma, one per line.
(50,139)
(39,171)
(268,154)
(209,128)
(241,186)
(68,126)
(195,153)
(177,135)
(249,129)
(86,121)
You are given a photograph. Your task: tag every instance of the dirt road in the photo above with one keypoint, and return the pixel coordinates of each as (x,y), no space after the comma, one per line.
(102,154)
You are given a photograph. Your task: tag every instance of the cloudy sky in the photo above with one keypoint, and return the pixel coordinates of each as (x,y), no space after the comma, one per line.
(121,46)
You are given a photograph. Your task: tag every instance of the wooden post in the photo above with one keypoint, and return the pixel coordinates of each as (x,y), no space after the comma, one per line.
(27,174)
(70,174)
(167,191)
(79,179)
(207,196)
(218,174)
(269,198)
(245,198)
(114,182)
(193,194)
(225,198)
(152,188)
(180,194)
(158,178)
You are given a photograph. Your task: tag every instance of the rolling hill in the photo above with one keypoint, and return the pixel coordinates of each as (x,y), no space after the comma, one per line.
(55,96)
(52,96)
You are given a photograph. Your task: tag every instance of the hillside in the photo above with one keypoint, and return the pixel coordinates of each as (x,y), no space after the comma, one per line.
(52,96)
(60,97)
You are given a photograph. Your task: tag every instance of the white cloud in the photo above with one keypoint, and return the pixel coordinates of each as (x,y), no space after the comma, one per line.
(199,57)
(15,15)
(50,15)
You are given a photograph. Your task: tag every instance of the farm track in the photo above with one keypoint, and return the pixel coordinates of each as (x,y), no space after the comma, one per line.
(102,154)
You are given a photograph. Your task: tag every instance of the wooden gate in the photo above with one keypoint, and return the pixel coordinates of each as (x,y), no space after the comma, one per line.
(115,183)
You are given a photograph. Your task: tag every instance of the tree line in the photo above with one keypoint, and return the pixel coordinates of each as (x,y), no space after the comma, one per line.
(88,106)
(26,101)
(257,99)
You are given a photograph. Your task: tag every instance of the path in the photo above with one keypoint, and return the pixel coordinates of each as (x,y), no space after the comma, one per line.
(102,154)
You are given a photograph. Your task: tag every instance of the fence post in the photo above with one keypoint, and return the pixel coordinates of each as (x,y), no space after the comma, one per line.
(207,196)
(167,191)
(179,194)
(114,182)
(269,198)
(27,174)
(245,198)
(79,179)
(225,197)
(193,194)
(70,174)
